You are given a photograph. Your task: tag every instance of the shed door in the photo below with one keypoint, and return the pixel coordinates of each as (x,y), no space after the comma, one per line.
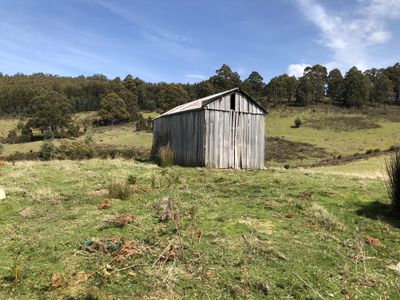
(234,149)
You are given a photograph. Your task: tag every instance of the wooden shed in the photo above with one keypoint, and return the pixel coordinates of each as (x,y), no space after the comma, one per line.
(225,130)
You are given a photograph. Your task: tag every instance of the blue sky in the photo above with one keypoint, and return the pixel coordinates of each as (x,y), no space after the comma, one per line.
(186,41)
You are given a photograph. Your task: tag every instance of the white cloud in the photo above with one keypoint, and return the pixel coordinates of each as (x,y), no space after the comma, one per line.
(352,36)
(379,37)
(195,76)
(296,69)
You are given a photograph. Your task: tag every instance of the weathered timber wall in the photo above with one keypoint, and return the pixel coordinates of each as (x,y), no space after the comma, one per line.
(216,136)
(234,140)
(184,133)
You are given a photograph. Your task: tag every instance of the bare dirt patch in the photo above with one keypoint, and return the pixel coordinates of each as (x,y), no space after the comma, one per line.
(282,150)
(341,123)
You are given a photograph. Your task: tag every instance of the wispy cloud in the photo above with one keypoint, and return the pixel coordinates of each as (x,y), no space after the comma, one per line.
(353,37)
(195,76)
(162,38)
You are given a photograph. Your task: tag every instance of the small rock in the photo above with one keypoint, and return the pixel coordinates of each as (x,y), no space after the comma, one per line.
(26,212)
(395,268)
(2,194)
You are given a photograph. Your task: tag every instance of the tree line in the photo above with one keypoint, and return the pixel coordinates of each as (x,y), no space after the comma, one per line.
(46,102)
(354,89)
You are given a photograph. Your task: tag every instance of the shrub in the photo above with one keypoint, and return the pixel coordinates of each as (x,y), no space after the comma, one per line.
(297,122)
(141,123)
(48,135)
(119,189)
(12,137)
(166,156)
(394,148)
(132,179)
(89,137)
(47,150)
(140,154)
(76,150)
(26,134)
(73,130)
(393,181)
(286,166)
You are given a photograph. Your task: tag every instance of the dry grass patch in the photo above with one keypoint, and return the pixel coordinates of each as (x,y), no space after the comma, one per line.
(45,195)
(263,226)
(323,217)
(119,189)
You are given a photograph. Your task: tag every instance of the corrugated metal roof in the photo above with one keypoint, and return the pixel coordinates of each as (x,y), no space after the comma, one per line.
(200,103)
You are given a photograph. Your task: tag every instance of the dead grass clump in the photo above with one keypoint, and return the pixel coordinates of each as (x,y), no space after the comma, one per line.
(118,221)
(104,245)
(323,217)
(306,195)
(262,226)
(164,209)
(128,248)
(170,253)
(97,193)
(165,156)
(106,203)
(45,195)
(119,189)
(57,281)
(372,241)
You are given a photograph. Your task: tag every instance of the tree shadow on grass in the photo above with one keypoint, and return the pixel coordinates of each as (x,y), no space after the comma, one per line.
(380,211)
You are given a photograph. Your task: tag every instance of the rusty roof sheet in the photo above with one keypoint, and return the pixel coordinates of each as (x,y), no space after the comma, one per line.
(200,103)
(196,104)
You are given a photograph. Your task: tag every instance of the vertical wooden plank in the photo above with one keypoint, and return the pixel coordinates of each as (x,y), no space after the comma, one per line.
(262,147)
(216,136)
(225,139)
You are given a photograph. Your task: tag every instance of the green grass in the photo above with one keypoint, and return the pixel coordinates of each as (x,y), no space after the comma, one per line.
(247,234)
(368,168)
(346,141)
(121,136)
(336,130)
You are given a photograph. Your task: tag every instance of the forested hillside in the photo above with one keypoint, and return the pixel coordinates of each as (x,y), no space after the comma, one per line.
(355,88)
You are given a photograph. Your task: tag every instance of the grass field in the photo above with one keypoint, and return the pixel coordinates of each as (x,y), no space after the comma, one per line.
(122,136)
(334,130)
(365,168)
(338,131)
(247,234)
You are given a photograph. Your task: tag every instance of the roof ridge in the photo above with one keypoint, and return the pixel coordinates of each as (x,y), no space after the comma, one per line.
(201,102)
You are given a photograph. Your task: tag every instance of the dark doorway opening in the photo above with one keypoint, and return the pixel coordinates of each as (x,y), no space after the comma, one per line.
(233,102)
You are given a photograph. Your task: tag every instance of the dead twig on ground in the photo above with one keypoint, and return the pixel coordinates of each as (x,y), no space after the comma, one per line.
(309,286)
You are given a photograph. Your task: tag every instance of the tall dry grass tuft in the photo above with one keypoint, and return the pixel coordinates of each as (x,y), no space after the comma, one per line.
(166,156)
(119,189)
(322,216)
(393,181)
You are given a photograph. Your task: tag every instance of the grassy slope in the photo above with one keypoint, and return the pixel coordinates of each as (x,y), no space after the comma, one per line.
(367,168)
(344,142)
(278,123)
(256,231)
(120,136)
